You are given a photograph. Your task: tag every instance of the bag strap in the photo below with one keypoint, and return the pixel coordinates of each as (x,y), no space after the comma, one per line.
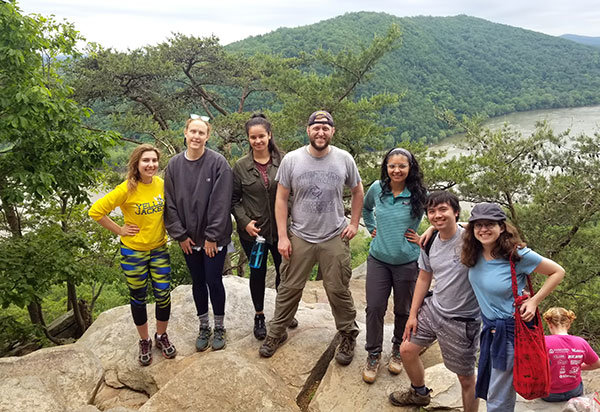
(513,277)
(430,242)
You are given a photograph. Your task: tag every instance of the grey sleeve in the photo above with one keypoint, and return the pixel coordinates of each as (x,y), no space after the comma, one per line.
(424,262)
(171,216)
(219,204)
(283,172)
(352,177)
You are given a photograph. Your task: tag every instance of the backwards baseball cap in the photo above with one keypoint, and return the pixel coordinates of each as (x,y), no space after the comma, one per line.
(320,116)
(487,211)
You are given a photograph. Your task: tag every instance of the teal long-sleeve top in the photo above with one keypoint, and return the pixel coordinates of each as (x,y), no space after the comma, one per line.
(391,216)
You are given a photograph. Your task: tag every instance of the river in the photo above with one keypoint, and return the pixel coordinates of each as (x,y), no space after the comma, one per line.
(579,120)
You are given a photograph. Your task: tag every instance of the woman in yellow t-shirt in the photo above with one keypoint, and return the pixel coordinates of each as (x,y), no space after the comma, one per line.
(144,254)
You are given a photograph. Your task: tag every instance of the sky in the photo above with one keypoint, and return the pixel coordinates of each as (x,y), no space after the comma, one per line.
(129,24)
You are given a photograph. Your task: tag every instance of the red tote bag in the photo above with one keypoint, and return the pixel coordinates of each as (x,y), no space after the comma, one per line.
(531,372)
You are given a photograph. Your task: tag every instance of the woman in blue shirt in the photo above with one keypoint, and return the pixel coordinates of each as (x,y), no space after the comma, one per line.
(392,211)
(488,244)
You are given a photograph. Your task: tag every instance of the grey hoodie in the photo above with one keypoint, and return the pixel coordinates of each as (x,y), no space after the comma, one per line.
(198,198)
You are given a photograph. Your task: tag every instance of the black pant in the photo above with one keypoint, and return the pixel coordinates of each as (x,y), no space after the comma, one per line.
(207,277)
(257,276)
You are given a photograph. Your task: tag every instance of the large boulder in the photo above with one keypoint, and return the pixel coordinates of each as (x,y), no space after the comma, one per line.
(102,367)
(51,379)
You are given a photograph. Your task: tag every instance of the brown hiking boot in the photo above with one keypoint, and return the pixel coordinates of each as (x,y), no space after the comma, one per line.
(345,351)
(371,367)
(410,397)
(395,365)
(270,345)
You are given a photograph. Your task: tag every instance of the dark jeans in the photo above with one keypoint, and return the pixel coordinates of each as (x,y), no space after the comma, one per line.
(257,276)
(207,276)
(565,396)
(381,279)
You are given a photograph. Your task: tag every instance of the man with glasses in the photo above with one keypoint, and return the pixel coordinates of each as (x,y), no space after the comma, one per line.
(450,314)
(316,174)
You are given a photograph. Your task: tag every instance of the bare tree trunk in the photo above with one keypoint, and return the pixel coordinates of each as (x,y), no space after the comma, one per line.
(72,298)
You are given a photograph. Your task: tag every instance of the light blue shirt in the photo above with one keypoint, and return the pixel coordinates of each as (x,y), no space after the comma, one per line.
(392,216)
(491,282)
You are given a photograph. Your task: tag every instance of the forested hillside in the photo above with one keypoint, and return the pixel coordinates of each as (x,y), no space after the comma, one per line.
(587,40)
(462,63)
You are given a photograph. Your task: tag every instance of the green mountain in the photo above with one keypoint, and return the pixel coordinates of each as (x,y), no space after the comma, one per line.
(590,41)
(465,64)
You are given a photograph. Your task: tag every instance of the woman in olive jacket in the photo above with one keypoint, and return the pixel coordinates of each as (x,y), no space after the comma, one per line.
(253,206)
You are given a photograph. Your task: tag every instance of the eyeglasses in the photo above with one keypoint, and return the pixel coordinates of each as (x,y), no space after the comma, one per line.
(398,166)
(487,225)
(197,116)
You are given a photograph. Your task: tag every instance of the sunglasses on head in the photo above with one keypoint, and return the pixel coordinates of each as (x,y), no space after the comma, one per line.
(197,116)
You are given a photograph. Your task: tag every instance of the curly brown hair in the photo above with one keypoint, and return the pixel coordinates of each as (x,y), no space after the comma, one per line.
(133,172)
(506,243)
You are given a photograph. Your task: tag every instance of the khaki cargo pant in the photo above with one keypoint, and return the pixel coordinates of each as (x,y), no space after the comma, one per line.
(333,257)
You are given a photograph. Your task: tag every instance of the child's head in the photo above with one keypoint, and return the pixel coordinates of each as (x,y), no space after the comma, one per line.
(559,317)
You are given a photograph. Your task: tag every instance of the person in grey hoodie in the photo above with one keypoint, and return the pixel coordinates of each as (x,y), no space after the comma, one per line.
(198,187)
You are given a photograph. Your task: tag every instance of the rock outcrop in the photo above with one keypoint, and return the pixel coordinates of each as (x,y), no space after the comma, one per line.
(100,371)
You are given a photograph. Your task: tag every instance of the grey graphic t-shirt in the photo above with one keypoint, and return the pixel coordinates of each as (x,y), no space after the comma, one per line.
(318,186)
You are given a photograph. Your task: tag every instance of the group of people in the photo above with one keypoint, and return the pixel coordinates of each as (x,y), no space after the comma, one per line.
(295,202)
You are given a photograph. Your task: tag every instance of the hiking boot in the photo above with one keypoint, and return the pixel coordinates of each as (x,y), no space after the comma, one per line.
(167,348)
(219,340)
(203,338)
(345,350)
(371,367)
(395,365)
(293,324)
(260,330)
(270,345)
(410,397)
(145,355)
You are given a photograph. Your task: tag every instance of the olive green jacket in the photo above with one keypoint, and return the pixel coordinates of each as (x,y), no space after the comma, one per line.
(252,201)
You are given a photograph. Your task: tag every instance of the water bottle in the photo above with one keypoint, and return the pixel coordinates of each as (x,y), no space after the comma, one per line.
(258,253)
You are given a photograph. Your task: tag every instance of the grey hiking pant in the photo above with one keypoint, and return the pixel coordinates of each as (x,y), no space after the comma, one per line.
(381,279)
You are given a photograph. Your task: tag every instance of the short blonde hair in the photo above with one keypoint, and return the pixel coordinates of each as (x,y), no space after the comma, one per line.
(559,317)
(190,120)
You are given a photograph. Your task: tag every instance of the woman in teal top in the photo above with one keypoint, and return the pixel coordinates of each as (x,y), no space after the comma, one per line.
(392,211)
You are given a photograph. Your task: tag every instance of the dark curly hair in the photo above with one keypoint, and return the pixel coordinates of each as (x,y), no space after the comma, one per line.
(506,243)
(414,181)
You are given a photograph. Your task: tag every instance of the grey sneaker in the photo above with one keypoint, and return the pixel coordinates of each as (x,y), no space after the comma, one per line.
(395,365)
(203,339)
(260,329)
(371,367)
(410,397)
(219,340)
(167,348)
(345,351)
(145,354)
(270,345)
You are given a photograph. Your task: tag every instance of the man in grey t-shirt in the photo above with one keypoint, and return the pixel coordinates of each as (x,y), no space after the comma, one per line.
(316,174)
(451,314)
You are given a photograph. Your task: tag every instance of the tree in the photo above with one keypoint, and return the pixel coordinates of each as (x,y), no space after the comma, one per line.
(550,185)
(45,153)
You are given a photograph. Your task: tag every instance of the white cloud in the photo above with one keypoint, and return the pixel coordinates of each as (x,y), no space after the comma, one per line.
(134,23)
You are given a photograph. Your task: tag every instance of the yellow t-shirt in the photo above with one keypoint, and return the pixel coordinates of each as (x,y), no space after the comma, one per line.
(143,208)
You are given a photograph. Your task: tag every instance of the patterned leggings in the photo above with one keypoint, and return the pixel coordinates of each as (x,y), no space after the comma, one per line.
(137,265)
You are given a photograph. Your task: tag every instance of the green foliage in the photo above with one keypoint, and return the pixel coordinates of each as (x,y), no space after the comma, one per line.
(359,248)
(550,186)
(461,63)
(48,161)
